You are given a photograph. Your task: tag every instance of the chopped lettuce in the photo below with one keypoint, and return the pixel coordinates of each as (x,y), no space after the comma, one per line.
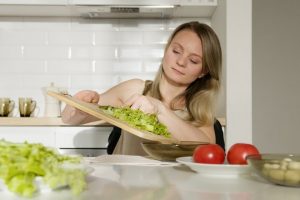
(138,119)
(21,163)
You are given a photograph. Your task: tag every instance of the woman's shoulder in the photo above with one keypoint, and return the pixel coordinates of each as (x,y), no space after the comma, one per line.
(133,86)
(137,83)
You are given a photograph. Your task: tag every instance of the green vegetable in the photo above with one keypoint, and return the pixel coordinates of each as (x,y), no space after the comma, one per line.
(138,119)
(21,163)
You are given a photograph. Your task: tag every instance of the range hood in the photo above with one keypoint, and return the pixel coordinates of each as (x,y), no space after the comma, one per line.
(109,8)
(126,11)
(144,8)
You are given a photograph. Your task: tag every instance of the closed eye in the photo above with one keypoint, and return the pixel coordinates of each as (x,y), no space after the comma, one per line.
(194,62)
(175,51)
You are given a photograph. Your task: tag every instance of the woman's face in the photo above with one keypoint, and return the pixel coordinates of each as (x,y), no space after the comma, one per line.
(182,62)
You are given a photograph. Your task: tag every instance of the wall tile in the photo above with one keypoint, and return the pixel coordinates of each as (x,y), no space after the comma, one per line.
(91,81)
(80,24)
(10,52)
(153,51)
(104,67)
(118,37)
(39,81)
(151,66)
(127,67)
(15,38)
(135,52)
(10,81)
(69,67)
(11,23)
(142,24)
(68,38)
(46,52)
(22,66)
(155,37)
(46,23)
(87,52)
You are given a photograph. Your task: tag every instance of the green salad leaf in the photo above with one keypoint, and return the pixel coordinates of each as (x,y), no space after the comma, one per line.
(21,163)
(138,119)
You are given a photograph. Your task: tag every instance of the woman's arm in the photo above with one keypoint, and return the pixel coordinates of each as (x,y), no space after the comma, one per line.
(183,130)
(179,128)
(113,97)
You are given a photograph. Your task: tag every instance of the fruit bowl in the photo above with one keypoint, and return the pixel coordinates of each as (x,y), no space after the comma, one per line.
(281,169)
(169,152)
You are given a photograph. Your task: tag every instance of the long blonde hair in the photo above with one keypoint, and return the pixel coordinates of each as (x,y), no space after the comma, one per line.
(200,96)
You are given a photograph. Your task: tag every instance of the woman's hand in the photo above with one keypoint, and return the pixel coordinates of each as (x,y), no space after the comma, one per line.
(72,115)
(88,96)
(144,103)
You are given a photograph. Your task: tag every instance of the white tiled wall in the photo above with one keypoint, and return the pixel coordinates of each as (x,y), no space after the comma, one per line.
(78,54)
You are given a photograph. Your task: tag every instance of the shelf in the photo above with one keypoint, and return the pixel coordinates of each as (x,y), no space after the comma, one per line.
(43,121)
(54,121)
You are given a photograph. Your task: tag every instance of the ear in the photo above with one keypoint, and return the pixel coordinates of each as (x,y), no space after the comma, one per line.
(201,75)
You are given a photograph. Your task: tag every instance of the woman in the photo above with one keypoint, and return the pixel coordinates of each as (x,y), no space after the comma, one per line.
(182,94)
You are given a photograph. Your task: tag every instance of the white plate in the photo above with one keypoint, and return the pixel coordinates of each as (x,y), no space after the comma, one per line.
(222,170)
(127,160)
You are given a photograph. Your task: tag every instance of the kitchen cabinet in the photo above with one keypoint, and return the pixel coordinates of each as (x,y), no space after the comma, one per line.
(34,8)
(89,139)
(76,8)
(29,134)
(34,2)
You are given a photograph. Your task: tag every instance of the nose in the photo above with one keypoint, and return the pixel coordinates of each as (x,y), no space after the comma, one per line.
(181,61)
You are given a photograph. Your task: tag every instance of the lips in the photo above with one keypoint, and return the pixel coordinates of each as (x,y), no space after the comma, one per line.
(178,71)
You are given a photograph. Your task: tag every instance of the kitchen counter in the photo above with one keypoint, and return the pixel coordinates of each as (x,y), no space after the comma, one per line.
(168,183)
(43,121)
(178,182)
(54,121)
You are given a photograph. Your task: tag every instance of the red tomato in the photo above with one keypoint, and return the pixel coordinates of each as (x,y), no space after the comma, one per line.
(238,152)
(210,154)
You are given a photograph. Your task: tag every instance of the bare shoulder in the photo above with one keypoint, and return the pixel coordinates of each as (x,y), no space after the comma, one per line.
(133,85)
(116,95)
(134,82)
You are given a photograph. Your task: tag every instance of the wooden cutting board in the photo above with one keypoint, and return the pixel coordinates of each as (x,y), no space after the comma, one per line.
(93,109)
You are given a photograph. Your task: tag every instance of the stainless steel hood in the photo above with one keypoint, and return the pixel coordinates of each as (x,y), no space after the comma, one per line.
(109,8)
(126,11)
(144,8)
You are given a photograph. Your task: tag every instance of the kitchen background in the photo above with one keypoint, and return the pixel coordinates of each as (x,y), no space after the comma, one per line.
(77,54)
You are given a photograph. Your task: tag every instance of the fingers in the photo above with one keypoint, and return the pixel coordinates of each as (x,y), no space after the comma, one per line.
(88,96)
(140,102)
(131,100)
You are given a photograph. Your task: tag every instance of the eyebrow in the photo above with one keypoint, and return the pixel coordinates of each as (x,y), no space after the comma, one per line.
(194,54)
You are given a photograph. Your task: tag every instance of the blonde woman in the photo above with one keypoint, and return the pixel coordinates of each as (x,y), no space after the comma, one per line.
(182,95)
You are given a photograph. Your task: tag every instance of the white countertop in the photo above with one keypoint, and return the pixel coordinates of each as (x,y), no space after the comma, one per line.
(55,121)
(168,183)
